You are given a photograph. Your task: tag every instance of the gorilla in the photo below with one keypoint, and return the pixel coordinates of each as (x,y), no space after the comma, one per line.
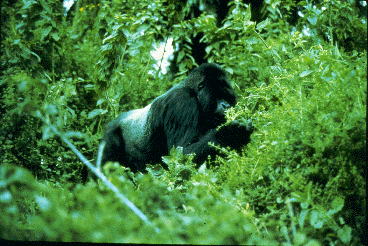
(187,115)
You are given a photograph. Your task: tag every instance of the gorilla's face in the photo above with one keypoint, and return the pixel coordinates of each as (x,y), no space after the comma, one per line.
(215,95)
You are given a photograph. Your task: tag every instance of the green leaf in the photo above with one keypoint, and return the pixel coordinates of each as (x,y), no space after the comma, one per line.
(344,234)
(229,70)
(247,15)
(208,49)
(299,196)
(27,4)
(302,3)
(108,39)
(181,55)
(315,219)
(226,25)
(167,159)
(38,58)
(262,25)
(302,216)
(305,73)
(25,52)
(312,20)
(96,112)
(55,36)
(304,205)
(274,52)
(45,32)
(337,204)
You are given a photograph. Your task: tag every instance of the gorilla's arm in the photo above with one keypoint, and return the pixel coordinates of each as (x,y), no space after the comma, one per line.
(234,135)
(178,113)
(201,148)
(181,122)
(184,126)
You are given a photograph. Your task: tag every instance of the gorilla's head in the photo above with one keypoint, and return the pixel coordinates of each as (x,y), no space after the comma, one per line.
(213,90)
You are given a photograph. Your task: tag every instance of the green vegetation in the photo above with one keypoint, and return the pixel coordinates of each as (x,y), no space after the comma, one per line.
(301,181)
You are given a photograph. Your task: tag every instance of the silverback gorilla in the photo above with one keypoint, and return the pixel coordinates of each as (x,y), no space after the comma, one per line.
(187,115)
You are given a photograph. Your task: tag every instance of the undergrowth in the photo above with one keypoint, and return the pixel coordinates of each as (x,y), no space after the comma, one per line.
(301,180)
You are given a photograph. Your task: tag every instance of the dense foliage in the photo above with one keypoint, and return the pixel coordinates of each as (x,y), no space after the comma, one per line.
(301,181)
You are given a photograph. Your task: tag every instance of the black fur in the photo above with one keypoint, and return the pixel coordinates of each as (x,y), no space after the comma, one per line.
(187,115)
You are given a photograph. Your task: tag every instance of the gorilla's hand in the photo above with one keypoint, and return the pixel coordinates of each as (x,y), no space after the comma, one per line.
(235,135)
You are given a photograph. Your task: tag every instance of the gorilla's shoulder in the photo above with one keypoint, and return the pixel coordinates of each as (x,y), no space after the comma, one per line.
(179,104)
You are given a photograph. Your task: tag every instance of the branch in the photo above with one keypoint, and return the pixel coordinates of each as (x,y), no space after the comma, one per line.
(97,171)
